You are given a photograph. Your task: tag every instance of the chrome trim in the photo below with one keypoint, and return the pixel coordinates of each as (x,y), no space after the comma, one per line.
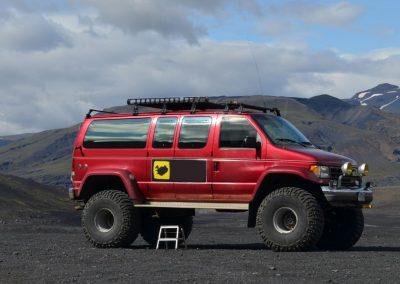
(348,190)
(348,195)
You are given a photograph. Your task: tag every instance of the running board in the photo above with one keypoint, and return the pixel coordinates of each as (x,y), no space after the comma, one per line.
(196,205)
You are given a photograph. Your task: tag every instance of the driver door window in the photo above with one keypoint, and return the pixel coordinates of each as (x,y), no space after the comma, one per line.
(236,132)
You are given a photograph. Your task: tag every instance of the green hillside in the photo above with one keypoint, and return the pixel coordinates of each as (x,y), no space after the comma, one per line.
(21,196)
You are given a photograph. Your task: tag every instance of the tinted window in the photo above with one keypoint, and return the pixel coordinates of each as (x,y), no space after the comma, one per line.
(234,130)
(117,133)
(194,132)
(164,132)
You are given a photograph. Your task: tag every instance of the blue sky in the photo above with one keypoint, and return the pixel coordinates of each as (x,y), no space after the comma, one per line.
(59,58)
(376,26)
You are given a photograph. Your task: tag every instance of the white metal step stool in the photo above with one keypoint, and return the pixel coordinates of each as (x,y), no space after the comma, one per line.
(171,233)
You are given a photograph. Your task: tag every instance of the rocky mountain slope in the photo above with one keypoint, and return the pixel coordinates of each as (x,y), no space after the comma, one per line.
(362,132)
(385,97)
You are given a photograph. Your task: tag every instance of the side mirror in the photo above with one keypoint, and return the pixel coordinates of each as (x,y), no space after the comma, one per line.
(251,142)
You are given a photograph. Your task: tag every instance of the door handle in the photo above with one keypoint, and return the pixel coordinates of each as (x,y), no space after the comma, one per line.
(216,166)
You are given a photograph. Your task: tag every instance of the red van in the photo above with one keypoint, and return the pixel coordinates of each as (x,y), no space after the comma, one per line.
(136,171)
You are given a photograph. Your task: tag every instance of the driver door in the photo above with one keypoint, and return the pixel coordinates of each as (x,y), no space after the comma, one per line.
(237,163)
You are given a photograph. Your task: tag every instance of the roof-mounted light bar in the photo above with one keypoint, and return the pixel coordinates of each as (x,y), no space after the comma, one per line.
(172,100)
(192,104)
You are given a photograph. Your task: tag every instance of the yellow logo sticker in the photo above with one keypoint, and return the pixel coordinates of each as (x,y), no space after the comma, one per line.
(161,170)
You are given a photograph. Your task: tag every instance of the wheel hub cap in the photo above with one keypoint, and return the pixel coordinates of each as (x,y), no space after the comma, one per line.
(285,220)
(104,220)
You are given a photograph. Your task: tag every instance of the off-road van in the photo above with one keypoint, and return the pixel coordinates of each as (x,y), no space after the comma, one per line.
(133,172)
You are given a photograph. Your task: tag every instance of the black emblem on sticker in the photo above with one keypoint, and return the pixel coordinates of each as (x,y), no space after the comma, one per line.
(161,170)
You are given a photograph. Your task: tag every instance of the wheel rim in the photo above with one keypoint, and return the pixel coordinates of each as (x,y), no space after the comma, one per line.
(285,220)
(104,220)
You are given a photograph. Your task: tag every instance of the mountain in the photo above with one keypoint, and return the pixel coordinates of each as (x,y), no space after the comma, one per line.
(385,97)
(44,156)
(20,196)
(362,132)
(5,140)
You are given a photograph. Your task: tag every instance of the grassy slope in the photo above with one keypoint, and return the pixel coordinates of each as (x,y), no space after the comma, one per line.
(21,196)
(362,133)
(43,156)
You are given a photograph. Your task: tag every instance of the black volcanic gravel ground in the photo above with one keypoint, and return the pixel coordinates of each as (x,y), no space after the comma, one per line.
(221,249)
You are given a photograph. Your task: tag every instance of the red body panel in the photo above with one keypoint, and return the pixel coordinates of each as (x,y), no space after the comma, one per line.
(232,174)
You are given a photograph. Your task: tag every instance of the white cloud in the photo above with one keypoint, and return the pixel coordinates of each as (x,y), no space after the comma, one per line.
(52,84)
(171,19)
(32,33)
(332,14)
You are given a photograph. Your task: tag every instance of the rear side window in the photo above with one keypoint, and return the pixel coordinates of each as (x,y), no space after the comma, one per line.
(233,132)
(117,133)
(164,132)
(194,132)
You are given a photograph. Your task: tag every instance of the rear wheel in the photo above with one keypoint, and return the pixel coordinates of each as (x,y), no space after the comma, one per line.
(151,223)
(290,219)
(110,220)
(343,228)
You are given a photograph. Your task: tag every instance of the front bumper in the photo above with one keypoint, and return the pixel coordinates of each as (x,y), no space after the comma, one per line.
(347,196)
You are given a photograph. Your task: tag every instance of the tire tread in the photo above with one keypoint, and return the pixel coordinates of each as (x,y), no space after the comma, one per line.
(315,217)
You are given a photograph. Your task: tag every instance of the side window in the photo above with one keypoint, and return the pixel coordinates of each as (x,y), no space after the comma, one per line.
(164,132)
(117,133)
(234,131)
(194,132)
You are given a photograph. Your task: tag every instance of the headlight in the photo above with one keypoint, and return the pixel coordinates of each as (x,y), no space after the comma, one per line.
(363,169)
(320,171)
(347,169)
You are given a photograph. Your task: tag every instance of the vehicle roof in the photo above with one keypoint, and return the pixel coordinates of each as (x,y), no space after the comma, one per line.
(171,113)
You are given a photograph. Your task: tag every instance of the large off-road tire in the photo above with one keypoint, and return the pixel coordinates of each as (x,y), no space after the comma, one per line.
(151,226)
(343,228)
(290,219)
(109,219)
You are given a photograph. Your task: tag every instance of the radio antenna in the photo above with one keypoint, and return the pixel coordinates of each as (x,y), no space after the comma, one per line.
(257,69)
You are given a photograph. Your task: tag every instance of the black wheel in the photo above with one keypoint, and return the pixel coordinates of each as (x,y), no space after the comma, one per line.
(110,220)
(151,226)
(290,219)
(343,228)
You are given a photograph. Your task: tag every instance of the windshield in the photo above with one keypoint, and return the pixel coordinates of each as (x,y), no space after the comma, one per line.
(281,131)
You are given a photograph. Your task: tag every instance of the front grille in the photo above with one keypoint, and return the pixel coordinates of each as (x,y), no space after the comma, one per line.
(347,181)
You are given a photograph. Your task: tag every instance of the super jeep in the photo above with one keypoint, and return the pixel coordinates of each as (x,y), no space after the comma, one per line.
(133,172)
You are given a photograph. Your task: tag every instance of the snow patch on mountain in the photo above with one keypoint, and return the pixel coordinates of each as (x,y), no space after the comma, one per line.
(370,97)
(388,104)
(384,96)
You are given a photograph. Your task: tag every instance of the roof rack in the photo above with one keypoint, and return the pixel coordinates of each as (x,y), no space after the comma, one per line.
(194,103)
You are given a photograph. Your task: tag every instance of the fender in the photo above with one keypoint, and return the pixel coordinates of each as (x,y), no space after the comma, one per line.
(127,178)
(300,172)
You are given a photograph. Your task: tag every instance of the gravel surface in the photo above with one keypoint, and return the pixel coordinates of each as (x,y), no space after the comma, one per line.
(221,249)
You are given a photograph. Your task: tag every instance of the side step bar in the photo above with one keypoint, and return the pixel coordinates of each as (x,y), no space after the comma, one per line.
(195,205)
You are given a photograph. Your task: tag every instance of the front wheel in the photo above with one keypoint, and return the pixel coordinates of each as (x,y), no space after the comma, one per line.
(343,228)
(110,220)
(290,219)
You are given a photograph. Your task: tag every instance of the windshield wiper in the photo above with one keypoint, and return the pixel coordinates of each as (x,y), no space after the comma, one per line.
(304,144)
